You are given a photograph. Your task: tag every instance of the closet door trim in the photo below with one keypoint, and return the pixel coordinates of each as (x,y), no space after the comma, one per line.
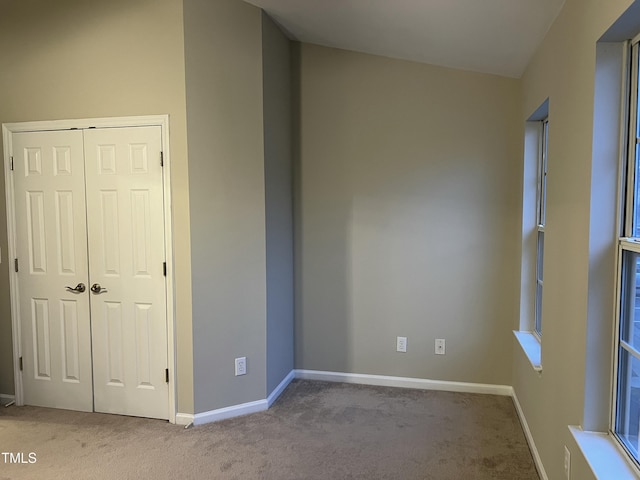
(8,129)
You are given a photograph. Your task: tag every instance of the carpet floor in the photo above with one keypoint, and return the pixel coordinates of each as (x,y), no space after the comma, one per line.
(316,430)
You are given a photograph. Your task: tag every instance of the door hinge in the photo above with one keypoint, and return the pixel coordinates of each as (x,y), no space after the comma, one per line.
(11,163)
(164,268)
(166,375)
(162,159)
(15,265)
(20,363)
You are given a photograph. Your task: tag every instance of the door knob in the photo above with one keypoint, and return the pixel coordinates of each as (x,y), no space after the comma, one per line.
(96,288)
(77,289)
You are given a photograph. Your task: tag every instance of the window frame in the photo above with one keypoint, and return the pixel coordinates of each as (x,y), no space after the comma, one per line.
(628,246)
(541,201)
(541,216)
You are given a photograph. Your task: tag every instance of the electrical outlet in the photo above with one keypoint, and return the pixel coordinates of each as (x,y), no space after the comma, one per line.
(241,366)
(567,463)
(401,344)
(439,346)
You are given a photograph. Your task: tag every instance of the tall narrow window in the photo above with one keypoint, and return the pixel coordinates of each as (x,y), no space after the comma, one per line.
(626,415)
(541,218)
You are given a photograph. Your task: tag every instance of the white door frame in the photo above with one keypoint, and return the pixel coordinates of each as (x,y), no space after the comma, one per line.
(8,129)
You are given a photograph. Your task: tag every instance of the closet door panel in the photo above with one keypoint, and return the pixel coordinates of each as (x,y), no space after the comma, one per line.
(126,256)
(51,243)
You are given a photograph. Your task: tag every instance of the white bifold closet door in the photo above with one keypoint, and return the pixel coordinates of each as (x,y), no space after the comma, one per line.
(51,242)
(90,247)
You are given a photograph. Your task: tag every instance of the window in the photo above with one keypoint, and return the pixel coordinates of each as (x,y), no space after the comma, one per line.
(541,209)
(534,201)
(626,415)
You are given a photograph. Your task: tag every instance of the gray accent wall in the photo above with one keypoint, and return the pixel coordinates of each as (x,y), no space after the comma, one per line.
(407,215)
(223,60)
(239,140)
(276,68)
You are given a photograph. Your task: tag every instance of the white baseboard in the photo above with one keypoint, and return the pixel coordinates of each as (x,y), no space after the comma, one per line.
(235,410)
(527,433)
(280,388)
(405,382)
(364,379)
(4,399)
(230,412)
(184,419)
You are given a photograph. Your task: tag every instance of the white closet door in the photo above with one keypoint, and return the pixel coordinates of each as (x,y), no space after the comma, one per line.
(52,253)
(126,254)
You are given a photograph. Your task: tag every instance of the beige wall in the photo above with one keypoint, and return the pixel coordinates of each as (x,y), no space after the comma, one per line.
(563,70)
(82,59)
(223,57)
(407,216)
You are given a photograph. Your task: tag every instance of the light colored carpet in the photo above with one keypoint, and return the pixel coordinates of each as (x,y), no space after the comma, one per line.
(316,430)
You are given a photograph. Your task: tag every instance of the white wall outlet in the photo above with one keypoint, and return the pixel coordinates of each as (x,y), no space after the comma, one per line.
(567,463)
(401,344)
(439,346)
(241,366)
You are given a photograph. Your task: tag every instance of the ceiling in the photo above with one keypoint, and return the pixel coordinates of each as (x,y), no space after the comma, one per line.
(491,36)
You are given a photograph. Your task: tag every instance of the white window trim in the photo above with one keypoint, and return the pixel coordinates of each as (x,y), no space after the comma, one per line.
(532,348)
(541,196)
(604,455)
(539,282)
(541,216)
(527,337)
(626,243)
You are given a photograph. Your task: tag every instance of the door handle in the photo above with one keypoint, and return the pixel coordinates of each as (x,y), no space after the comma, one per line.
(77,289)
(97,289)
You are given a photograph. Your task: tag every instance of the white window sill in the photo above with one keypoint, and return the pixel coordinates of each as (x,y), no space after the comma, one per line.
(605,458)
(532,348)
